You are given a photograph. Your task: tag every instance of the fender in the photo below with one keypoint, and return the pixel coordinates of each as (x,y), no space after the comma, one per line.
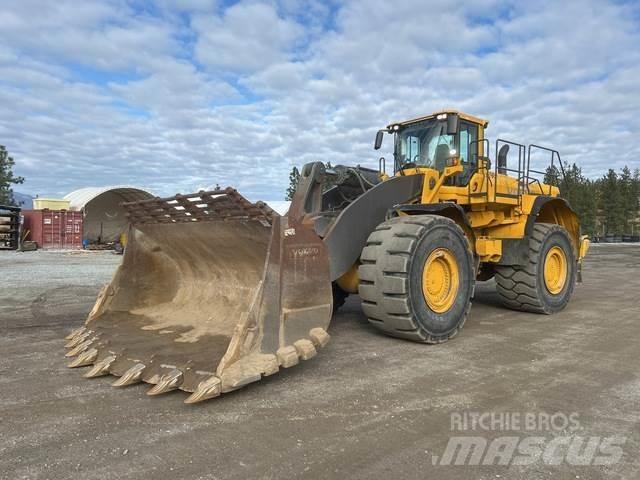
(555,210)
(347,235)
(540,202)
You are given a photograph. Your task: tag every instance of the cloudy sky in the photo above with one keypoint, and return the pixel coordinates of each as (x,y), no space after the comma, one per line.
(175,95)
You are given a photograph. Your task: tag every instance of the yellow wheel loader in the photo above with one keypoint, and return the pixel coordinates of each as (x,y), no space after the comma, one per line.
(215,292)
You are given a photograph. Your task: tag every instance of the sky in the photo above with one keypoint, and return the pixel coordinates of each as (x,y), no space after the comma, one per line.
(175,96)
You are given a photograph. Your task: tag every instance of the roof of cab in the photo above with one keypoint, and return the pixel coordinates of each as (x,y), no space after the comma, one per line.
(464,116)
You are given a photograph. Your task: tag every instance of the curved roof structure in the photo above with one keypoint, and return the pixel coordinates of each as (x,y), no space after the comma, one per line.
(79,198)
(280,206)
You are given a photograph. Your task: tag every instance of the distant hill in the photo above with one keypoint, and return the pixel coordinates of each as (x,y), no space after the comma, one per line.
(23,200)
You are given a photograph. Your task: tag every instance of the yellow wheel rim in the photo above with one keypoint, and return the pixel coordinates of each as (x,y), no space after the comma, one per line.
(555,270)
(440,280)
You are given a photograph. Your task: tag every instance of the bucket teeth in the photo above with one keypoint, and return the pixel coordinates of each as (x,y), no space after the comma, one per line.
(101,368)
(319,337)
(131,376)
(167,382)
(287,356)
(85,358)
(271,367)
(78,339)
(79,348)
(77,331)
(305,349)
(207,389)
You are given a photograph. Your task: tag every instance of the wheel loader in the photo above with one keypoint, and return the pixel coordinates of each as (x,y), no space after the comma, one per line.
(214,292)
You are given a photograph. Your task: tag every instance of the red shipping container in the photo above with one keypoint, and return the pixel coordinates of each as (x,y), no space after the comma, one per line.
(54,228)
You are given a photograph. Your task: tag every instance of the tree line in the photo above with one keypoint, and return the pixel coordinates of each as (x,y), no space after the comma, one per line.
(608,205)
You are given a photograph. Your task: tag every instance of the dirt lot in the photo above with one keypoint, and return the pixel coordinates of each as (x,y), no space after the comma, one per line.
(367,407)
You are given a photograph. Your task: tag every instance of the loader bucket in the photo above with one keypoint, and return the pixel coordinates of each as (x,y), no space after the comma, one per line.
(213,293)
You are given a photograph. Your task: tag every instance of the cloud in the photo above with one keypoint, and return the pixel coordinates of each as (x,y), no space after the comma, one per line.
(247,37)
(176,95)
(104,35)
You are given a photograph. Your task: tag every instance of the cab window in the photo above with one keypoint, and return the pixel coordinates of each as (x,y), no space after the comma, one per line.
(468,134)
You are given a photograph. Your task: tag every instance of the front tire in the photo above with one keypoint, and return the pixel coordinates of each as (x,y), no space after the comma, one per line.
(417,278)
(546,282)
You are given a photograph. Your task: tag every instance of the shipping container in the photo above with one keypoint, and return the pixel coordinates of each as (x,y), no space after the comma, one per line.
(54,228)
(50,204)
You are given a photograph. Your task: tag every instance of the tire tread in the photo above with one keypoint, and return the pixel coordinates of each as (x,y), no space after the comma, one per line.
(517,285)
(384,288)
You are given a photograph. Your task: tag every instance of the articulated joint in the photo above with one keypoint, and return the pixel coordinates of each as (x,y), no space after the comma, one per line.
(349,281)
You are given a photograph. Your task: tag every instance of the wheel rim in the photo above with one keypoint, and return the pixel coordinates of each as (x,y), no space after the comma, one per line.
(440,280)
(555,270)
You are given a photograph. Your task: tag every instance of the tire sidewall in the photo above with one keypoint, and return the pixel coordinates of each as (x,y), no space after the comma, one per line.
(445,234)
(551,302)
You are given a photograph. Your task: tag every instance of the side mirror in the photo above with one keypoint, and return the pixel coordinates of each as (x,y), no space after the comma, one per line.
(378,142)
(453,122)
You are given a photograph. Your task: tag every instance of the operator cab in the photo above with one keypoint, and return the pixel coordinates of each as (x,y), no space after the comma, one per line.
(435,140)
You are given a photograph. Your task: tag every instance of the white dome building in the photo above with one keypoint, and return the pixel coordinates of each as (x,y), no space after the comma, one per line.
(104,218)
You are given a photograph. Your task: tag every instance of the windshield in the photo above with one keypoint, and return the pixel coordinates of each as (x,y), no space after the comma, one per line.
(425,144)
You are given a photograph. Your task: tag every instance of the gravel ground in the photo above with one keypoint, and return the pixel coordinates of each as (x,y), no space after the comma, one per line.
(367,406)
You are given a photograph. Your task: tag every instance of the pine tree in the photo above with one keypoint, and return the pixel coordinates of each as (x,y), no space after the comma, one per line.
(586,200)
(579,192)
(7,178)
(294,177)
(612,203)
(552,176)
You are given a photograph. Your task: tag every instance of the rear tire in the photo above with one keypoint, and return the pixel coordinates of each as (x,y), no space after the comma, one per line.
(397,297)
(528,288)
